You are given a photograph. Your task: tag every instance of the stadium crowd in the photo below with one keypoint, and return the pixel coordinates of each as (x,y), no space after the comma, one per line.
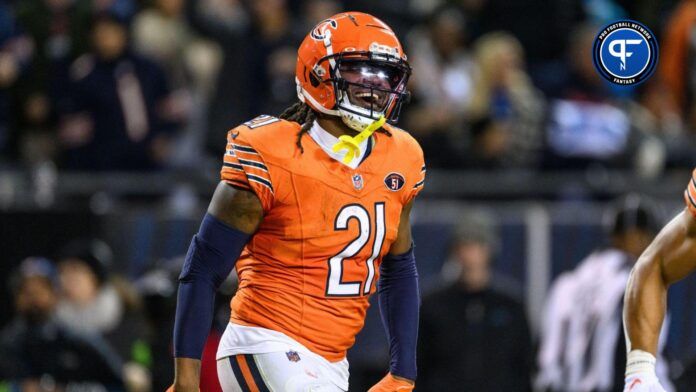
(154,85)
(144,85)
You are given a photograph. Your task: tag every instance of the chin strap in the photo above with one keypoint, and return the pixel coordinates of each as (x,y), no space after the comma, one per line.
(352,143)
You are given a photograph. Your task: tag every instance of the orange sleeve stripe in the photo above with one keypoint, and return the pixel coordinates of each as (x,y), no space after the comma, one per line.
(247,159)
(243,149)
(692,189)
(690,195)
(246,372)
(254,165)
(238,184)
(232,166)
(260,180)
(689,203)
(244,174)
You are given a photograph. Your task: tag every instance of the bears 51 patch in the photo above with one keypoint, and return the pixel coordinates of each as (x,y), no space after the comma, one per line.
(394,181)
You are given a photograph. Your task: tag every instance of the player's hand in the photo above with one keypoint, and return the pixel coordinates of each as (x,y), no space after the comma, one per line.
(392,384)
(643,382)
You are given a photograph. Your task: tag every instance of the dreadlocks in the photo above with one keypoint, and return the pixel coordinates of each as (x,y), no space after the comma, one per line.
(302,114)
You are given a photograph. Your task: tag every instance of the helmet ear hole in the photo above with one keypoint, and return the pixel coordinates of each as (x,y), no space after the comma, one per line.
(314,80)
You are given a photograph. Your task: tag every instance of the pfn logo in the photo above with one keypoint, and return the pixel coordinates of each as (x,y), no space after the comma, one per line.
(622,53)
(625,52)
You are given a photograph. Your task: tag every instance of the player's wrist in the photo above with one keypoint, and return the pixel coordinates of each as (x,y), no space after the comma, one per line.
(640,362)
(403,379)
(187,374)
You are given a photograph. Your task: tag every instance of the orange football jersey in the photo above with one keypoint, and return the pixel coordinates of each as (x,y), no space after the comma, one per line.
(690,194)
(310,267)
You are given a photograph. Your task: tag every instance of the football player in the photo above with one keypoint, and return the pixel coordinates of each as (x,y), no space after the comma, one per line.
(313,211)
(670,257)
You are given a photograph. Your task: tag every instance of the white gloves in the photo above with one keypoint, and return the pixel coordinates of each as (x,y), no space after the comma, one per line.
(643,382)
(640,373)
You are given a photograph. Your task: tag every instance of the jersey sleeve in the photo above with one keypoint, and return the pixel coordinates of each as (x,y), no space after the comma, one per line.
(690,194)
(244,168)
(418,186)
(417,179)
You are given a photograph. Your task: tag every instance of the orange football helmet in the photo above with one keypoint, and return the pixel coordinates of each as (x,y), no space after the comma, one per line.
(352,65)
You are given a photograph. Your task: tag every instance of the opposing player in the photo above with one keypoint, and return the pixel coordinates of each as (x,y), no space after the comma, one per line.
(670,257)
(313,208)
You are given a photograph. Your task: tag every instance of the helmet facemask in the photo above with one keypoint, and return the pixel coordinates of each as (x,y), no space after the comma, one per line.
(369,86)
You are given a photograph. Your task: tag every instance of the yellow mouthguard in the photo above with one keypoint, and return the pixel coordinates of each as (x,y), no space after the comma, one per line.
(352,143)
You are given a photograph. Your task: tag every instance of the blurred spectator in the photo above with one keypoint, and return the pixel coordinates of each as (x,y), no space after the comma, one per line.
(39,353)
(124,9)
(158,291)
(191,63)
(582,345)
(162,33)
(94,302)
(15,53)
(510,107)
(474,336)
(259,45)
(542,27)
(669,95)
(58,29)
(121,113)
(314,11)
(676,68)
(441,84)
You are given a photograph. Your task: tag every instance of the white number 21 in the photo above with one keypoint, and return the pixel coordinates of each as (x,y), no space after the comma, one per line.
(335,286)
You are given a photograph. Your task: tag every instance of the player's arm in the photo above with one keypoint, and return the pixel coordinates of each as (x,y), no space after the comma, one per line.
(233,216)
(670,257)
(399,301)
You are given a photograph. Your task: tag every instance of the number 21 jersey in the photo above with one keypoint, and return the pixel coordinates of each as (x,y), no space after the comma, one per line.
(314,261)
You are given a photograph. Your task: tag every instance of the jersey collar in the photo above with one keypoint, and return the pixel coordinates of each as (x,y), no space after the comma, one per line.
(326,141)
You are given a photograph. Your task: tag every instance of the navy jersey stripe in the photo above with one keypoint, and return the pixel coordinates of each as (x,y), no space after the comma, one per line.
(256,374)
(238,374)
(244,149)
(232,165)
(688,194)
(260,180)
(256,164)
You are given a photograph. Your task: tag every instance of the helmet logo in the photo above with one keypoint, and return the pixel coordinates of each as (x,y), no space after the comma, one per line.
(319,32)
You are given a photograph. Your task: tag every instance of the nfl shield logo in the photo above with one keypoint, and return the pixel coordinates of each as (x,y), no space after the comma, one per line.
(357,182)
(293,356)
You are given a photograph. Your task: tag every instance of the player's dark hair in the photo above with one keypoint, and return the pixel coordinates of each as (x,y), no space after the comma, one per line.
(304,115)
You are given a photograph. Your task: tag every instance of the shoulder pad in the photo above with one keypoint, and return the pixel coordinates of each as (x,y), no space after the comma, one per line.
(270,136)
